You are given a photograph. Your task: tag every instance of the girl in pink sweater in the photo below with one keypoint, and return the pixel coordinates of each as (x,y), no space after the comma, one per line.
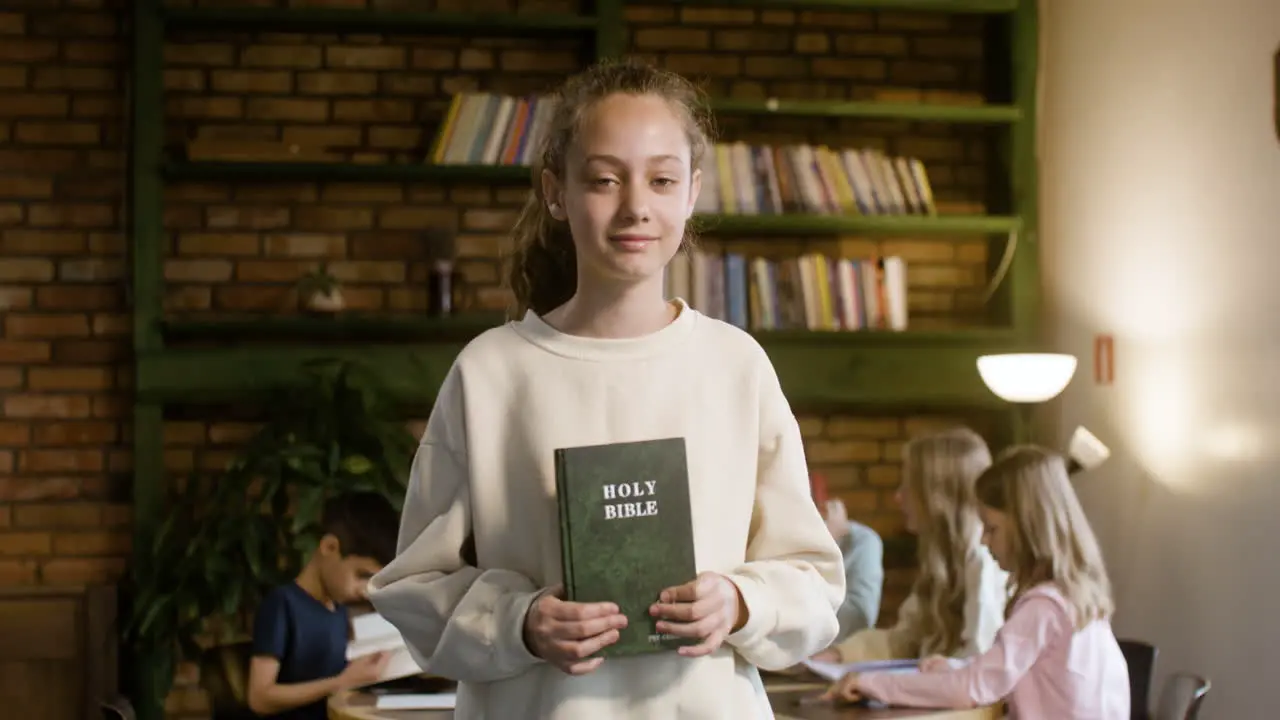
(1055,656)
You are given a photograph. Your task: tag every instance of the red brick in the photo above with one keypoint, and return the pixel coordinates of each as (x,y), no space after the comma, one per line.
(57,515)
(17,572)
(45,325)
(61,460)
(87,432)
(48,406)
(68,378)
(82,571)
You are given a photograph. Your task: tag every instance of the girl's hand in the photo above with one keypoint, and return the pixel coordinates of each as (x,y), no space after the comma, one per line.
(566,633)
(705,608)
(830,655)
(846,688)
(934,663)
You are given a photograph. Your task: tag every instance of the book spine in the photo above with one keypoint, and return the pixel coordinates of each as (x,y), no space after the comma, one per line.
(566,533)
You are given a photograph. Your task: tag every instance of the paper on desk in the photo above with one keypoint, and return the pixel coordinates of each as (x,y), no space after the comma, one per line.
(415,701)
(834,671)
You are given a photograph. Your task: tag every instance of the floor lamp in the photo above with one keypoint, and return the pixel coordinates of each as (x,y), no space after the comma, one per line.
(1028,379)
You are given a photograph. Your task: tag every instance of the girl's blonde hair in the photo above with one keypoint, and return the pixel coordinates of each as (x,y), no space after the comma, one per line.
(939,471)
(542,271)
(1051,540)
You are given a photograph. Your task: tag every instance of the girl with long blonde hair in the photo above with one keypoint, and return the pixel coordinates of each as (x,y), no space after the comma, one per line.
(1056,655)
(958,599)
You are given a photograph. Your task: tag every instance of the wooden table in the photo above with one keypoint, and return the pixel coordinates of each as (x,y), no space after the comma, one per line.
(783,695)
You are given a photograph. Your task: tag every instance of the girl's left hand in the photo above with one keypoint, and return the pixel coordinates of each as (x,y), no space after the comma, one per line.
(705,608)
(846,688)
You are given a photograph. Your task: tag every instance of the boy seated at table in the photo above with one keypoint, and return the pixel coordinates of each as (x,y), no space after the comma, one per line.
(301,629)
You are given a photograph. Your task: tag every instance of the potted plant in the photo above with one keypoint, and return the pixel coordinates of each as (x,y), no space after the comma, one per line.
(226,540)
(320,292)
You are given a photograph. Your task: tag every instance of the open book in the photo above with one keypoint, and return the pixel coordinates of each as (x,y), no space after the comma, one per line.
(834,671)
(372,633)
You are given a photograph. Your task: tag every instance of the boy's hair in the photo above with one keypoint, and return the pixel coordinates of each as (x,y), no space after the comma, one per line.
(543,270)
(939,471)
(364,523)
(1051,541)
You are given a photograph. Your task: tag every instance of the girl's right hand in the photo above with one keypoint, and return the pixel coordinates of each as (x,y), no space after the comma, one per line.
(934,663)
(566,633)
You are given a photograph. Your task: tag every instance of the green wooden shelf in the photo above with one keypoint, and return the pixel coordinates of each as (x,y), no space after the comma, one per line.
(814,374)
(924,112)
(349,326)
(851,224)
(465,326)
(350,21)
(350,172)
(965,7)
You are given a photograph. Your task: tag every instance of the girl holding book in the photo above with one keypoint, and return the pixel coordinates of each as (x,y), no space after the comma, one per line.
(958,600)
(1056,656)
(598,356)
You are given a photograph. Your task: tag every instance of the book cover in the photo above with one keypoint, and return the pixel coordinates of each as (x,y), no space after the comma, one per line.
(626,532)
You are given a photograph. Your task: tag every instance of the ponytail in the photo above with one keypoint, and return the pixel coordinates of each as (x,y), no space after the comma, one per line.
(543,269)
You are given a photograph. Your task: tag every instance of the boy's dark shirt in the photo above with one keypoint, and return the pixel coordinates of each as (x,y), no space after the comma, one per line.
(308,639)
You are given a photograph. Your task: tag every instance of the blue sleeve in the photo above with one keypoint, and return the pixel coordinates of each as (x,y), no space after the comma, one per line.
(864,580)
(271,626)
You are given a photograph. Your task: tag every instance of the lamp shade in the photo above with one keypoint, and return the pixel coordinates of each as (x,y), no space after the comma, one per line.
(1026,377)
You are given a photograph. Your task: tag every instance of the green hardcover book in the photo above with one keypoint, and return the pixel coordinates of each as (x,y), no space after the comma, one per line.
(626,533)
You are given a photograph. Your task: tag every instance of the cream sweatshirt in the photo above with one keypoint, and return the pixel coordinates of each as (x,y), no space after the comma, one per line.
(479,536)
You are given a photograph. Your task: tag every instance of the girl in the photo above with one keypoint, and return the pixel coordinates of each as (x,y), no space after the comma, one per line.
(1056,656)
(600,356)
(958,600)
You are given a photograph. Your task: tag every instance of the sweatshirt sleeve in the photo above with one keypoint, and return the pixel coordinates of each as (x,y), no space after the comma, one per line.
(458,621)
(793,580)
(990,677)
(984,603)
(900,642)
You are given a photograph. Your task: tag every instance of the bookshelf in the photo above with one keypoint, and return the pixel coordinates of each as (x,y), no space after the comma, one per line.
(193,359)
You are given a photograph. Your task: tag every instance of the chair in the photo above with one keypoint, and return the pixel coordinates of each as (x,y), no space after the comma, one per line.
(224,675)
(1181,697)
(1141,658)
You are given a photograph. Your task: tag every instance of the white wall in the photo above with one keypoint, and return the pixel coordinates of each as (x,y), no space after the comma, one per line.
(1161,225)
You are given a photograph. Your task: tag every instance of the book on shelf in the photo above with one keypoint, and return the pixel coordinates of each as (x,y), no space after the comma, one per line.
(626,532)
(743,179)
(812,291)
(484,128)
(372,633)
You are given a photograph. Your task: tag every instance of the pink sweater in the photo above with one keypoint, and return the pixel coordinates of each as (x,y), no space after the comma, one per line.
(1039,664)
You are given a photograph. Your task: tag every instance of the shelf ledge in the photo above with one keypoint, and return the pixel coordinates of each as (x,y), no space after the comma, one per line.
(816,371)
(959,7)
(352,21)
(924,112)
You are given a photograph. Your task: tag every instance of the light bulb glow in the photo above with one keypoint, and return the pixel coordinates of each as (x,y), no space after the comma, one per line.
(1026,377)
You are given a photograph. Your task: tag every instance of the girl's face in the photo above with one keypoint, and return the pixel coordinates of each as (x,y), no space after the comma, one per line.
(996,535)
(628,190)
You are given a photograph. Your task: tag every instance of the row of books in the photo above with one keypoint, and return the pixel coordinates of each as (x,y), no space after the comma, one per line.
(808,292)
(483,128)
(743,179)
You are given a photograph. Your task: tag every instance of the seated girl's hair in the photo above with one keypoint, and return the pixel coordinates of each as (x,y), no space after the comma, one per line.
(1050,539)
(542,269)
(939,470)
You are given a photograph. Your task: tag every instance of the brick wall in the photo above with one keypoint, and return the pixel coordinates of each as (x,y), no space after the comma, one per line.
(64,341)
